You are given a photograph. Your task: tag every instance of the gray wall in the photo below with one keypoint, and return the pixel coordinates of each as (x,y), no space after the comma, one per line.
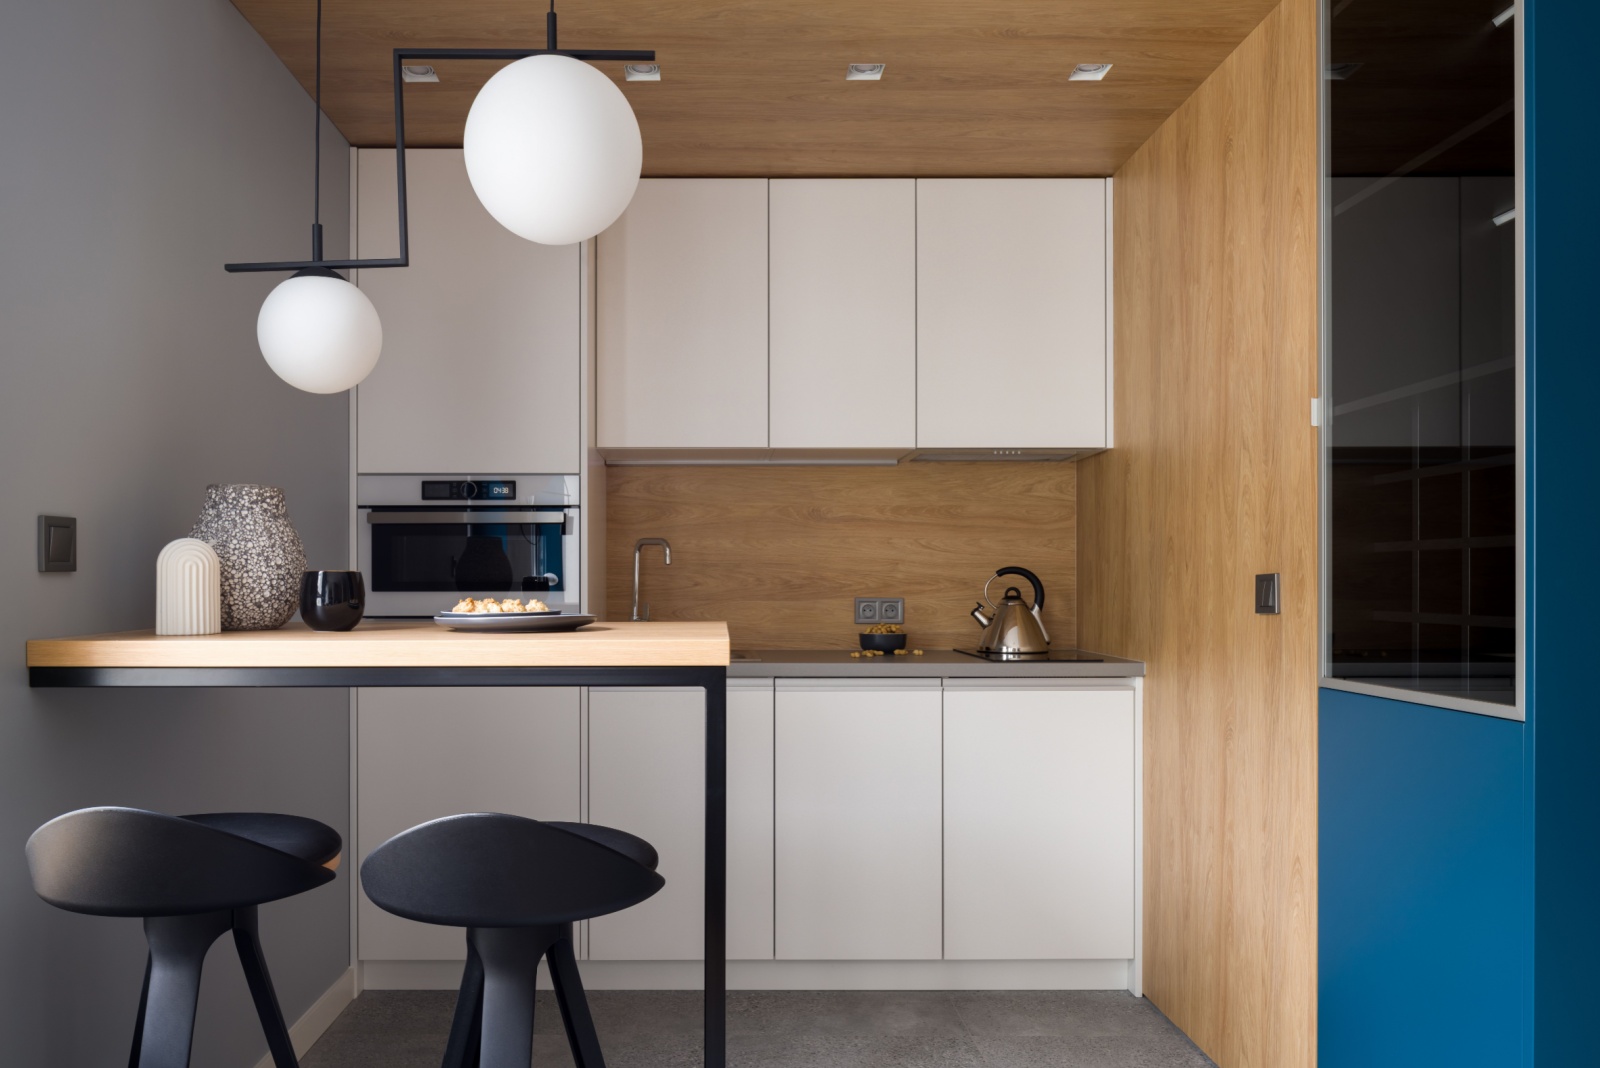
(142,145)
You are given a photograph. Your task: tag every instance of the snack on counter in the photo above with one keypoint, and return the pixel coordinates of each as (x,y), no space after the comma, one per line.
(490,605)
(885,628)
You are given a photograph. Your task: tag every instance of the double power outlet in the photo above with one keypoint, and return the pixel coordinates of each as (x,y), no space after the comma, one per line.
(870,610)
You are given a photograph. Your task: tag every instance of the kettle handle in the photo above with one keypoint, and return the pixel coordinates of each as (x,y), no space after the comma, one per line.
(1038,587)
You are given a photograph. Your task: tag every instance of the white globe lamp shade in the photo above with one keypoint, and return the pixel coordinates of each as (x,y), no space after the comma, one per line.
(552,149)
(319,333)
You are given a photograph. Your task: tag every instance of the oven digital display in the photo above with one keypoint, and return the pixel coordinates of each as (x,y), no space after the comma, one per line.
(484,490)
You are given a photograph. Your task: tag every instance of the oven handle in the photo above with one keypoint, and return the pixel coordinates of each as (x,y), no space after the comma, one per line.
(474,517)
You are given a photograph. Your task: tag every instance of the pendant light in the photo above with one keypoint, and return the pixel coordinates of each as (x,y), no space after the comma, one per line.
(553,153)
(318,332)
(552,147)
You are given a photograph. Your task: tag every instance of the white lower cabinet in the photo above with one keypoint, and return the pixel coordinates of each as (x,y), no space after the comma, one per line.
(647,777)
(857,827)
(878,820)
(423,753)
(1039,806)
(750,819)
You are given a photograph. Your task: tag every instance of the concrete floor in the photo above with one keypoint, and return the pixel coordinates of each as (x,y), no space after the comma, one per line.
(796,1029)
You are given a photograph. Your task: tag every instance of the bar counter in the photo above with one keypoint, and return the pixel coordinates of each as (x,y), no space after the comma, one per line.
(422,653)
(394,643)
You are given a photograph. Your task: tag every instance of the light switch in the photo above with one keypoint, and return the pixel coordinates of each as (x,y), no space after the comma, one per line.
(58,543)
(1267,595)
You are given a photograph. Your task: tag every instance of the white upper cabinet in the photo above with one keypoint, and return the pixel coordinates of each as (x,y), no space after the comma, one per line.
(1011,313)
(682,317)
(481,357)
(844,313)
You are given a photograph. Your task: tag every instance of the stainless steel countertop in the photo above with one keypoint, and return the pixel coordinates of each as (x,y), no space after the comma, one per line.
(934,663)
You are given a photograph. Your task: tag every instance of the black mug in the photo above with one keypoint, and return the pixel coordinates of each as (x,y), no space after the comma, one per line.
(332,600)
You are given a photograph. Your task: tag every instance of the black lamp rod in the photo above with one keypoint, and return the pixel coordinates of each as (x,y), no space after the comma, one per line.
(401,55)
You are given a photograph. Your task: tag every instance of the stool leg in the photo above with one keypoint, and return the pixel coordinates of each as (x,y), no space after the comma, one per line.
(247,940)
(466,1029)
(138,1020)
(574,1004)
(178,946)
(510,957)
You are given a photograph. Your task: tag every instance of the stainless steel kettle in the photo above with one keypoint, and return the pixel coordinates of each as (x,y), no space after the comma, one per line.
(1014,629)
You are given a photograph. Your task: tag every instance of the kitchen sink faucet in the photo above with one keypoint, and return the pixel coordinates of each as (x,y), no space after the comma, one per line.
(638,546)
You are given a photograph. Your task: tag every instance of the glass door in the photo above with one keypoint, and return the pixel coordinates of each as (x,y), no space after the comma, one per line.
(1421,406)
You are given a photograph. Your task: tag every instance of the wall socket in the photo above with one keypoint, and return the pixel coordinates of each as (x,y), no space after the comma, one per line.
(870,610)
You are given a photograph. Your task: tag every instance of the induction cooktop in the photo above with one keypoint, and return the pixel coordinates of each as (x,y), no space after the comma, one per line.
(1054,655)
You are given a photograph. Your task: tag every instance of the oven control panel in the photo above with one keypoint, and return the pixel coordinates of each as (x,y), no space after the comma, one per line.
(481,490)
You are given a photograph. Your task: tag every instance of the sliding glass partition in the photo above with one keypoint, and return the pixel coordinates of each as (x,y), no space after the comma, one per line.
(1421,368)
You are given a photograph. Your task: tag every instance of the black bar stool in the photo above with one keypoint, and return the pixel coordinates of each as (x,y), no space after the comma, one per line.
(191,878)
(517,885)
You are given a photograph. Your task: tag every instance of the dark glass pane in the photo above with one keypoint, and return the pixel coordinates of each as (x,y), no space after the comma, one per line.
(1494,497)
(1422,401)
(1494,590)
(1439,505)
(461,557)
(1439,584)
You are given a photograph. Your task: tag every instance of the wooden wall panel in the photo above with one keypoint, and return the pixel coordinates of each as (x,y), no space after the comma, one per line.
(1214,479)
(780,553)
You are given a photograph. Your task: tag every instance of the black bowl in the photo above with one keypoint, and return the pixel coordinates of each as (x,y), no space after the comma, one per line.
(332,600)
(883,643)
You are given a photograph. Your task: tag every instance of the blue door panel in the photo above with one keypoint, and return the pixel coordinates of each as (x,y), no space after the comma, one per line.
(1421,900)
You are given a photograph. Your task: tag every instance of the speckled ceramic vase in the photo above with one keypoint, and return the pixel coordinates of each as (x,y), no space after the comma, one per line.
(262,558)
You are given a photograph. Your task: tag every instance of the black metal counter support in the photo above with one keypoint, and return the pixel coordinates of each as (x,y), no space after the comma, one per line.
(713,680)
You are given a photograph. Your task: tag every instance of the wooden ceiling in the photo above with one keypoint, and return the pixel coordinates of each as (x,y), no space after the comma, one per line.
(756,87)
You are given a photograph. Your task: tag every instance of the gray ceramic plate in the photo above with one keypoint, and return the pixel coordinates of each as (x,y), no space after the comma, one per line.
(503,621)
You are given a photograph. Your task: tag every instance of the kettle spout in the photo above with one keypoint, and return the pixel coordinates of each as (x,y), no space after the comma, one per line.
(977,613)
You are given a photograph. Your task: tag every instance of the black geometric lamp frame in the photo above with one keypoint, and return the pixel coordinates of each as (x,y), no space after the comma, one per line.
(402,57)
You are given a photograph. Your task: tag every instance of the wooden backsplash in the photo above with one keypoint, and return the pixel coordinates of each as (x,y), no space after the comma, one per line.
(781,553)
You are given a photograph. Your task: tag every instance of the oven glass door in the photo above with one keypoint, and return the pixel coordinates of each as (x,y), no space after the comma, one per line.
(456,553)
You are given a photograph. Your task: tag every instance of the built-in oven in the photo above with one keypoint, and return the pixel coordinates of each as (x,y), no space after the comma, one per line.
(426,541)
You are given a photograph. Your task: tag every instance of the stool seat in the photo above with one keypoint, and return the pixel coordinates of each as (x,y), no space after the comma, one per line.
(488,869)
(629,845)
(191,879)
(297,836)
(130,862)
(517,885)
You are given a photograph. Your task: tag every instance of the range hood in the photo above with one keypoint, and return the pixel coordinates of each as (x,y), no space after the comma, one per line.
(968,456)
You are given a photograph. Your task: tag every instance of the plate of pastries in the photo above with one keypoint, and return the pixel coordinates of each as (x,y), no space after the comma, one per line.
(508,614)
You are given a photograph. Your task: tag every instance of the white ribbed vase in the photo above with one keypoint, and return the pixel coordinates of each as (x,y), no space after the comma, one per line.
(188,588)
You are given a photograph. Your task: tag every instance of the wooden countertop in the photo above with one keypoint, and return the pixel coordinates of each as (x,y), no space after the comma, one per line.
(386,643)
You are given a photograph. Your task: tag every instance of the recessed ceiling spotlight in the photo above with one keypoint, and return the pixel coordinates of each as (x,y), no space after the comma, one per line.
(863,72)
(418,73)
(1340,72)
(1089,72)
(642,72)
